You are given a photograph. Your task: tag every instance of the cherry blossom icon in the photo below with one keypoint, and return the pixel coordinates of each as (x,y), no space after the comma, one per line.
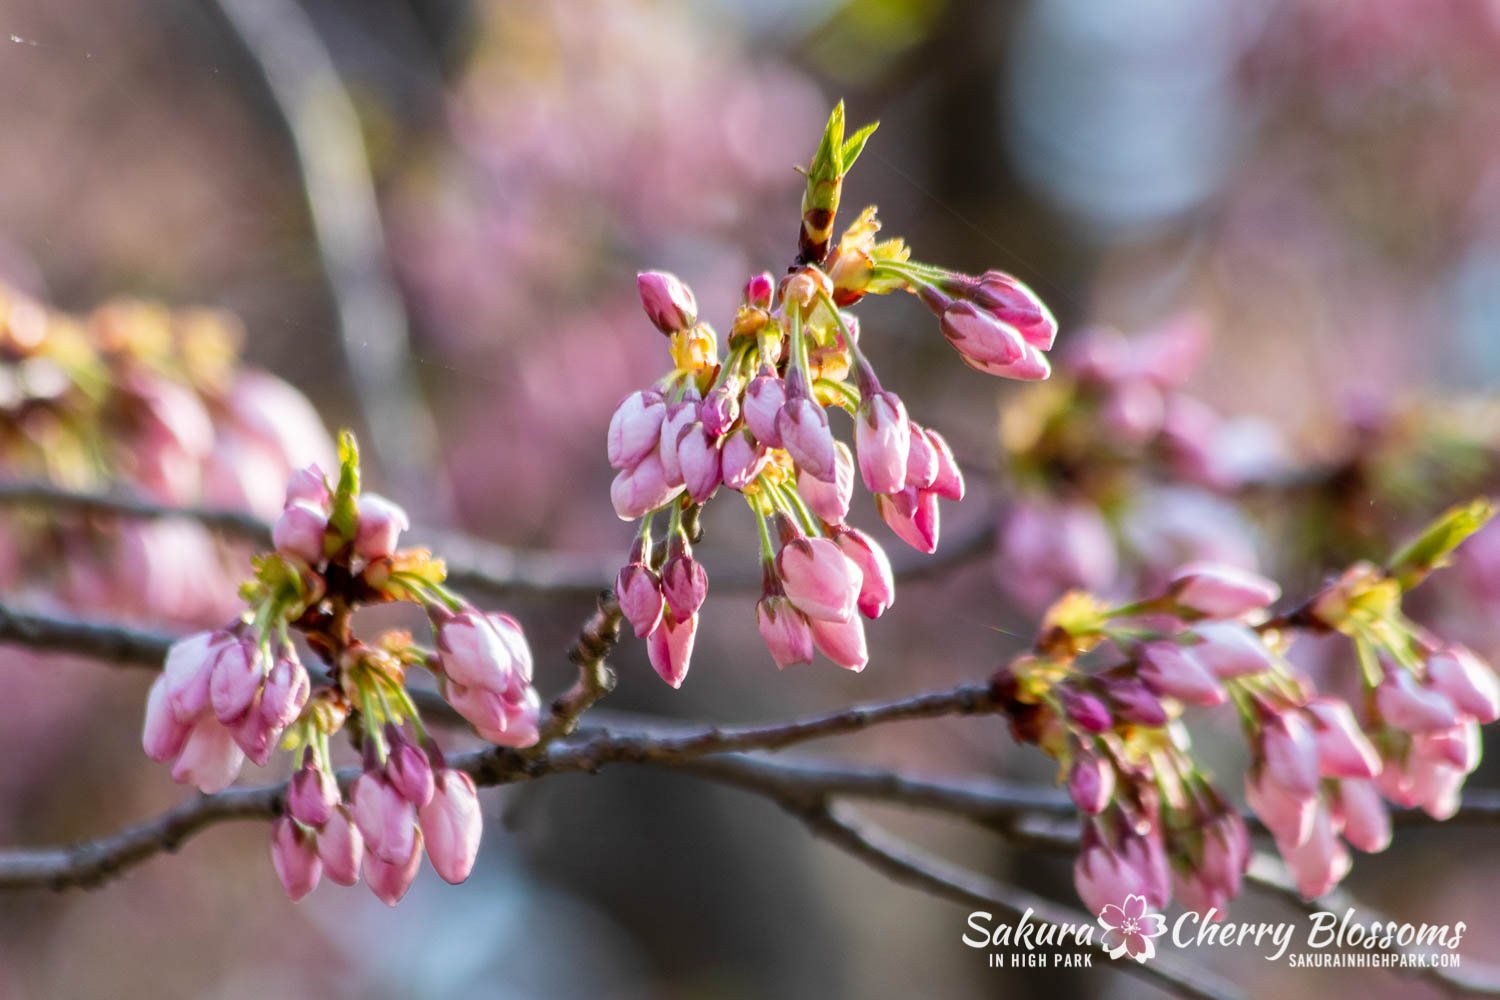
(1128,929)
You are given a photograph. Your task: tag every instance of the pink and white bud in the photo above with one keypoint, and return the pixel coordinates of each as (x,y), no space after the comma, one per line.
(639,490)
(785,631)
(312,795)
(669,303)
(386,818)
(949,482)
(670,648)
(1405,704)
(882,437)
(921,459)
(284,693)
(1171,670)
(913,515)
(485,651)
(255,736)
(764,398)
(295,858)
(758,291)
(830,499)
(741,459)
(210,758)
(803,428)
(842,642)
(1343,750)
(163,735)
(1132,701)
(634,427)
(341,847)
(388,881)
(1032,366)
(684,584)
(980,337)
(1466,680)
(409,771)
(1088,711)
(1104,876)
(819,579)
(698,459)
(1458,747)
(451,826)
(681,415)
(237,675)
(1230,649)
(380,525)
(1363,817)
(507,719)
(1220,591)
(1290,753)
(1289,817)
(1321,861)
(877,590)
(1014,303)
(721,408)
(308,485)
(638,590)
(1091,783)
(299,531)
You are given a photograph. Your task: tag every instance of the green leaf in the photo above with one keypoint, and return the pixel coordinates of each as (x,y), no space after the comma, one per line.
(1431,549)
(854,146)
(345,514)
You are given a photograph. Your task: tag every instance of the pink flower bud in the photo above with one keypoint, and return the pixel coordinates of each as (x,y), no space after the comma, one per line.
(1288,816)
(210,758)
(1132,701)
(1031,366)
(299,531)
(1230,649)
(669,304)
(882,436)
(764,398)
(634,427)
(163,735)
(639,592)
(312,794)
(255,736)
(1365,822)
(1091,783)
(819,579)
(741,459)
(308,485)
(1290,753)
(235,681)
(451,826)
(486,651)
(386,819)
(785,631)
(1466,680)
(670,648)
(949,482)
(409,771)
(803,428)
(721,408)
(1105,876)
(830,499)
(1085,709)
(380,525)
(389,881)
(980,337)
(841,642)
(341,847)
(1321,861)
(1343,750)
(877,590)
(758,291)
(1405,704)
(698,458)
(295,859)
(284,693)
(638,491)
(1169,669)
(1458,747)
(187,673)
(681,415)
(1219,591)
(913,515)
(508,719)
(684,583)
(1014,303)
(921,459)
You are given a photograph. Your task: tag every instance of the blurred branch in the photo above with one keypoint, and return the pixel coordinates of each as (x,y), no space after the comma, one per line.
(334,170)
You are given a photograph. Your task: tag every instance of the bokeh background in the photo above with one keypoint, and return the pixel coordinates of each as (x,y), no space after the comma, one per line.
(1316,181)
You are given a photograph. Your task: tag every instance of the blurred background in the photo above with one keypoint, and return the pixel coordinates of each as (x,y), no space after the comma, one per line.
(1313,184)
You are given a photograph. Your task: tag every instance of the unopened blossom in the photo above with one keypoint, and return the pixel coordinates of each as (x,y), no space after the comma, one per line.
(877,589)
(451,824)
(409,769)
(829,499)
(638,490)
(764,398)
(1171,669)
(1085,709)
(670,647)
(300,529)
(1290,753)
(1407,704)
(913,515)
(803,428)
(785,631)
(819,579)
(294,855)
(1457,673)
(1361,816)
(1321,861)
(312,794)
(380,525)
(341,847)
(1091,783)
(1342,747)
(741,459)
(1218,591)
(669,304)
(882,436)
(843,642)
(390,880)
(1288,815)
(1230,649)
(638,589)
(684,584)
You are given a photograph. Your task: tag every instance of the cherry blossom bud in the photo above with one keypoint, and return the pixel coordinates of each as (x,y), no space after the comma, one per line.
(409,770)
(1458,747)
(980,337)
(210,758)
(921,459)
(684,584)
(670,648)
(1289,817)
(1133,702)
(819,579)
(803,428)
(1405,704)
(484,651)
(669,304)
(1091,783)
(299,531)
(1466,680)
(451,825)
(680,416)
(721,408)
(1017,305)
(841,642)
(1220,591)
(508,719)
(830,499)
(785,631)
(1230,649)
(163,735)
(758,291)
(764,398)
(882,437)
(386,819)
(312,794)
(741,459)
(1105,876)
(235,681)
(638,590)
(1031,366)
(1170,669)
(913,515)
(308,485)
(1343,750)
(388,881)
(1085,709)
(284,694)
(295,858)
(949,482)
(1321,861)
(380,525)
(877,590)
(698,458)
(255,736)
(638,491)
(634,427)
(1365,822)
(1290,753)
(341,847)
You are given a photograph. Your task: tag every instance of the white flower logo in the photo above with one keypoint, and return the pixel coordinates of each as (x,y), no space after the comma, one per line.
(1128,929)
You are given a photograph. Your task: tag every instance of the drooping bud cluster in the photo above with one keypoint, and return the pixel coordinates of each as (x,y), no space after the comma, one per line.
(1320,768)
(237,692)
(755,420)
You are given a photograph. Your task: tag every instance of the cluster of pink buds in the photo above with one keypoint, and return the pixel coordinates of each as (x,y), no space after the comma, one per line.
(1154,825)
(237,692)
(755,421)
